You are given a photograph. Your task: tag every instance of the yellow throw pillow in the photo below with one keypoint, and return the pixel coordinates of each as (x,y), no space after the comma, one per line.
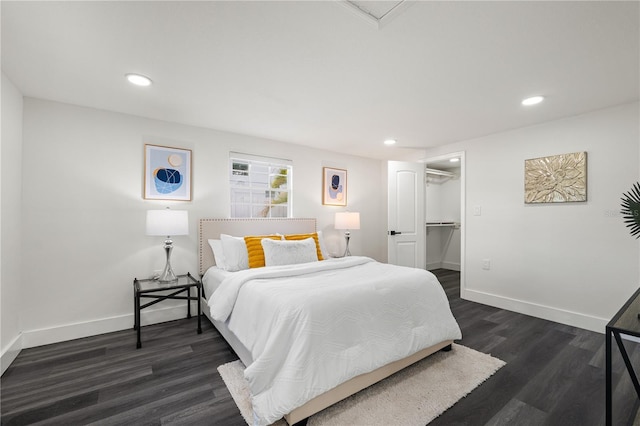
(295,237)
(254,249)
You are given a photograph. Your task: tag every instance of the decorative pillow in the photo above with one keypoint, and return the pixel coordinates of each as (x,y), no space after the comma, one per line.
(289,252)
(314,235)
(323,246)
(218,253)
(254,249)
(235,253)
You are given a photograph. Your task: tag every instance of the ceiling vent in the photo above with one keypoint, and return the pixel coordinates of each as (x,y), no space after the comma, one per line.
(377,13)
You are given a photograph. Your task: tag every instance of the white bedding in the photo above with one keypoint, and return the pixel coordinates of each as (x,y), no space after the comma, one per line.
(212,279)
(313,326)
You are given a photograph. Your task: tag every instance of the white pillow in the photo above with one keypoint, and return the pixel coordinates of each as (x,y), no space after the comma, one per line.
(289,252)
(235,253)
(218,253)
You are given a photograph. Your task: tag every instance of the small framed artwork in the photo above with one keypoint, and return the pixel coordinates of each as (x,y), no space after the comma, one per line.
(334,187)
(167,173)
(556,179)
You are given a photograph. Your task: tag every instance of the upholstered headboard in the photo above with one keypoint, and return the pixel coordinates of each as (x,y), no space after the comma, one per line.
(212,228)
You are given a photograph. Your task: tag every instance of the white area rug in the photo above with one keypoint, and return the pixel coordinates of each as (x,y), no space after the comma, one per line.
(413,396)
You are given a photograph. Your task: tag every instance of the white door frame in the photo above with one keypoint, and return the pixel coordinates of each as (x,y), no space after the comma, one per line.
(463,215)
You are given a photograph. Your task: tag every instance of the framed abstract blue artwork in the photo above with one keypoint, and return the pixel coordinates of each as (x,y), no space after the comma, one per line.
(167,173)
(334,187)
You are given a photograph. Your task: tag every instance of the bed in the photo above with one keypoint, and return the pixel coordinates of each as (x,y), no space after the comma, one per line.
(299,328)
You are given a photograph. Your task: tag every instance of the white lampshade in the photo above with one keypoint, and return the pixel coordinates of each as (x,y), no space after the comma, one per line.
(347,220)
(167,222)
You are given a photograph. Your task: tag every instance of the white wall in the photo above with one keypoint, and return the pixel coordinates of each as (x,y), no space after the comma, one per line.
(10,223)
(84,216)
(573,263)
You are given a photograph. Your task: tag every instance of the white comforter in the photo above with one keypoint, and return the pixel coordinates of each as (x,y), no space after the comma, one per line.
(313,326)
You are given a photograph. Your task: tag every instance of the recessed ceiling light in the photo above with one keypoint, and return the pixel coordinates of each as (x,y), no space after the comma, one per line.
(390,142)
(533,100)
(138,79)
(454,160)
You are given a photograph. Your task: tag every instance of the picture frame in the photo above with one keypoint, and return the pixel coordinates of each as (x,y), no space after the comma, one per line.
(556,179)
(334,187)
(167,173)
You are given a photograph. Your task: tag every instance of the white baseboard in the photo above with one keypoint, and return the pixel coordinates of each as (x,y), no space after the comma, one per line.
(10,353)
(574,319)
(45,336)
(451,265)
(433,265)
(446,265)
(630,338)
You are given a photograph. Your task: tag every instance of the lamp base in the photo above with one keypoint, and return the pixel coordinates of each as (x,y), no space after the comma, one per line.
(347,235)
(167,276)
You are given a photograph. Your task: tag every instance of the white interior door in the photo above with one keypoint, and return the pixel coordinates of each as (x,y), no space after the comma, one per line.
(406,228)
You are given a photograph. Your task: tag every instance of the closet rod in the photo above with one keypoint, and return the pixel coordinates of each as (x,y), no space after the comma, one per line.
(439,172)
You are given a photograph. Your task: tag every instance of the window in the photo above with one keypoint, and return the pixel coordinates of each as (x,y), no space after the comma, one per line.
(260,186)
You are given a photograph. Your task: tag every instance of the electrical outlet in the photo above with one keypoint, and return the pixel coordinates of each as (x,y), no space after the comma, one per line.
(477,210)
(486,264)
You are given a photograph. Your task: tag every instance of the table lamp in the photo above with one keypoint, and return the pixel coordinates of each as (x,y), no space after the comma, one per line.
(168,222)
(347,221)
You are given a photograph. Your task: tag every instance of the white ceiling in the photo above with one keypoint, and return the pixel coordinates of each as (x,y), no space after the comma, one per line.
(315,73)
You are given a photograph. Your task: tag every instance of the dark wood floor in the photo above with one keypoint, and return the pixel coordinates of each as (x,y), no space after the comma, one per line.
(554,375)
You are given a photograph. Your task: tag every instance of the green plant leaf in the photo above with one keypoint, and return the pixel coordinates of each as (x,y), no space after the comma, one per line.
(631,210)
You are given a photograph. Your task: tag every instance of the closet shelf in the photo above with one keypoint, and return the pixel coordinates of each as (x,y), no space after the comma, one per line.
(437,172)
(441,176)
(454,225)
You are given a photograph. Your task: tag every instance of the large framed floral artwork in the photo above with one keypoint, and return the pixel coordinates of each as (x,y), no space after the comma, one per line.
(167,173)
(334,187)
(556,179)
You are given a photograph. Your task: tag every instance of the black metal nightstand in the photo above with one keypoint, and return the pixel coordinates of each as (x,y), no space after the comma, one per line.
(147,288)
(626,321)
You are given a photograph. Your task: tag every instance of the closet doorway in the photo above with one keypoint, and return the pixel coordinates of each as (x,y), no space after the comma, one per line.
(445,212)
